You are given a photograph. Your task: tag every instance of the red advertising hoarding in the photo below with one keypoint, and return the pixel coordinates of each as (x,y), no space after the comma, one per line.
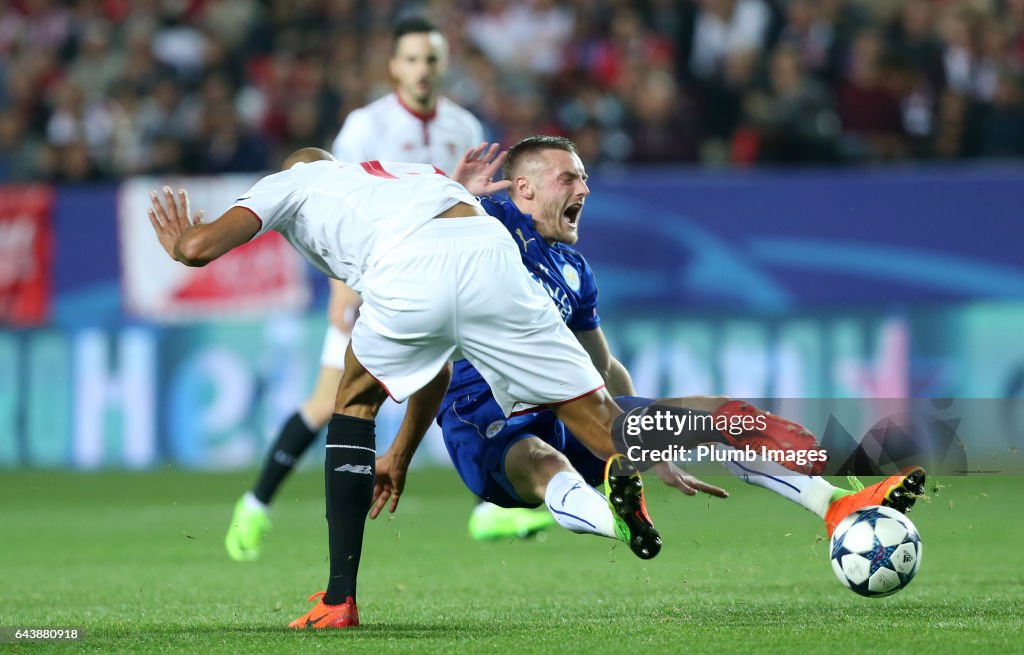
(26,254)
(263,277)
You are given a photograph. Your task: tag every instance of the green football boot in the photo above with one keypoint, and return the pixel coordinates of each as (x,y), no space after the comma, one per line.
(249,525)
(489,522)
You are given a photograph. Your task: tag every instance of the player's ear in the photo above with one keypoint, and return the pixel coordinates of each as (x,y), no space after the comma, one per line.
(523,187)
(392,64)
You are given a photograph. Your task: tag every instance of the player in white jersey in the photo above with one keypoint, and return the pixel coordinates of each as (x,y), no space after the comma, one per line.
(414,123)
(440,280)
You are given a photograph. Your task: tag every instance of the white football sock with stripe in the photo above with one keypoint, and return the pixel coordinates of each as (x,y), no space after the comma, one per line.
(813,493)
(577,506)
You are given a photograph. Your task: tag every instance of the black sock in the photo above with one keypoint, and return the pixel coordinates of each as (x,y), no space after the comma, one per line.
(348,480)
(292,441)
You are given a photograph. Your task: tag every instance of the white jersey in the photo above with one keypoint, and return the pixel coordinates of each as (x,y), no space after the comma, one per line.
(344,217)
(388,130)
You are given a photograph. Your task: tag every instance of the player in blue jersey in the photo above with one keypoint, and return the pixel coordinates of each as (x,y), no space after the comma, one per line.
(531,459)
(526,460)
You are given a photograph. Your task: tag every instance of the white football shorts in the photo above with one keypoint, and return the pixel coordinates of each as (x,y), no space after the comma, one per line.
(457,288)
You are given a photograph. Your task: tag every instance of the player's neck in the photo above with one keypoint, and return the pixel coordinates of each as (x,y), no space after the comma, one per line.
(422,109)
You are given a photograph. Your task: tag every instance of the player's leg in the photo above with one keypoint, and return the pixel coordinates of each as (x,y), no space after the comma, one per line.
(348,485)
(591,418)
(538,473)
(737,423)
(515,463)
(348,472)
(801,484)
(702,420)
(400,345)
(298,434)
(820,497)
(251,521)
(811,492)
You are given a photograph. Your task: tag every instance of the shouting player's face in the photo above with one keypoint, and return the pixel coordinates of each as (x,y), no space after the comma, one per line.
(559,188)
(417,67)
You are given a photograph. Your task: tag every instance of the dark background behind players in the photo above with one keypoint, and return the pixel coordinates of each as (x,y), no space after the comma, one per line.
(104,89)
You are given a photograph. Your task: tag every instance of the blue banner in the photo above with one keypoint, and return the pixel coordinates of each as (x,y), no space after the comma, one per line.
(775,242)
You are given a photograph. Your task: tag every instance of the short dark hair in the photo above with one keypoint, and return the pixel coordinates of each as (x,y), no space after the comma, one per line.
(412,24)
(532,145)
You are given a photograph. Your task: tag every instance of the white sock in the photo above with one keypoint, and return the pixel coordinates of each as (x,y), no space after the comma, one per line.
(813,493)
(252,502)
(577,506)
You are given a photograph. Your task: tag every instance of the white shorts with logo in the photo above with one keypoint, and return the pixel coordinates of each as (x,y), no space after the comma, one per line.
(457,288)
(335,345)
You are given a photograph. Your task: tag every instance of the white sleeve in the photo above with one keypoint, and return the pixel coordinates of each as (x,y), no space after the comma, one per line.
(356,133)
(272,200)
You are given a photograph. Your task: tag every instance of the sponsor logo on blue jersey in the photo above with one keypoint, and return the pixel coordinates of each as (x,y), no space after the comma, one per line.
(558,295)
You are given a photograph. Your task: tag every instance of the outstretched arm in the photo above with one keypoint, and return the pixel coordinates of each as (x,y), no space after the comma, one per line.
(190,241)
(393,465)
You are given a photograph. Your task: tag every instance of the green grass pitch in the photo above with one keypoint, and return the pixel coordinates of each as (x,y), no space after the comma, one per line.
(138,561)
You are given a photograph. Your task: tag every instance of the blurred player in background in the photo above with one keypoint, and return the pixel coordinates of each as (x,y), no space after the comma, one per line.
(414,123)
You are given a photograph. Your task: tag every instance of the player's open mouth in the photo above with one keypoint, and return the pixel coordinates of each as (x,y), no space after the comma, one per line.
(572,214)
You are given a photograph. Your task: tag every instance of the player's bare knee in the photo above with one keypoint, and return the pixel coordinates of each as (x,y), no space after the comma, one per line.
(364,406)
(530,464)
(359,400)
(318,409)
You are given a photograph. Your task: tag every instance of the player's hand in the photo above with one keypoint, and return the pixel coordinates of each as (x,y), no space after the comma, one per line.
(673,476)
(172,221)
(342,306)
(478,167)
(389,484)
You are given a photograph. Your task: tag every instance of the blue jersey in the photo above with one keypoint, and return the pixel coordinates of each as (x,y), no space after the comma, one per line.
(564,274)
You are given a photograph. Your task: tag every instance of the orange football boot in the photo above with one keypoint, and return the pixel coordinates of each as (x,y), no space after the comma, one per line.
(898,491)
(328,616)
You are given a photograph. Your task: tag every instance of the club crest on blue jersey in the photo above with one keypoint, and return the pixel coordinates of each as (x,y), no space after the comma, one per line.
(572,278)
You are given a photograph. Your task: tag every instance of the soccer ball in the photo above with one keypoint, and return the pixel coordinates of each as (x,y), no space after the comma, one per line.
(875,551)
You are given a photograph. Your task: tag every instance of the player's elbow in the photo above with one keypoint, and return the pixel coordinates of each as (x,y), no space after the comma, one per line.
(192,250)
(610,367)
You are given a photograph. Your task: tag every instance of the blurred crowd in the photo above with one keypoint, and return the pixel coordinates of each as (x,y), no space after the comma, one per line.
(99,89)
